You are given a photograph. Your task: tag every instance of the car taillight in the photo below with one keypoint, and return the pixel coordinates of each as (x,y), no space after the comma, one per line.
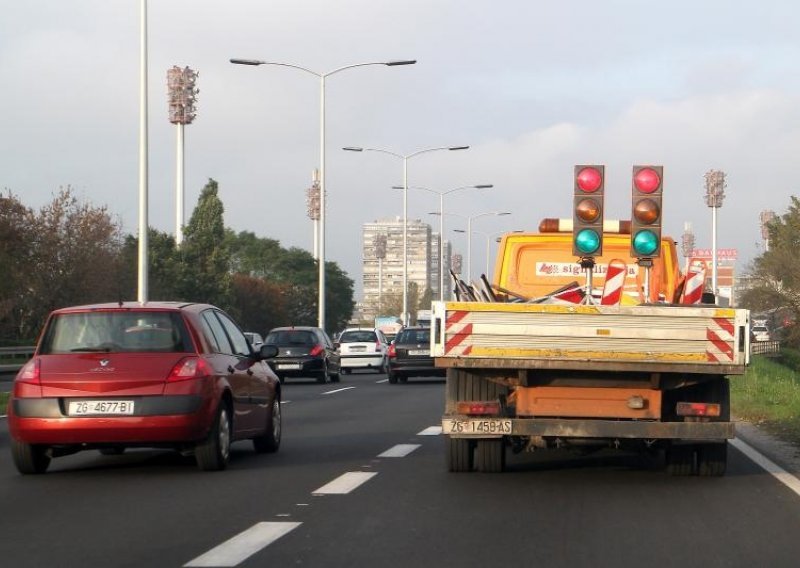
(317,350)
(392,351)
(378,346)
(190,368)
(30,373)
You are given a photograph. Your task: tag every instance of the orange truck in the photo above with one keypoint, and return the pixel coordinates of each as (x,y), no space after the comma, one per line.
(646,373)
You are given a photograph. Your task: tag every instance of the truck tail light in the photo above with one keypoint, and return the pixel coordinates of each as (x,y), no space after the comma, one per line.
(189,368)
(484,407)
(699,409)
(317,351)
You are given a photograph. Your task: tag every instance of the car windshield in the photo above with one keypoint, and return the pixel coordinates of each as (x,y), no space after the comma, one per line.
(414,336)
(284,338)
(358,336)
(116,331)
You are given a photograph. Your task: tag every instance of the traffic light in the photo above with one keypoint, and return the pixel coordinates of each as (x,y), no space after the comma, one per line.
(646,211)
(587,211)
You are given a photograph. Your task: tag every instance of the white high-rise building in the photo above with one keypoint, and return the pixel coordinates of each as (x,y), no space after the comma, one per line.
(383,278)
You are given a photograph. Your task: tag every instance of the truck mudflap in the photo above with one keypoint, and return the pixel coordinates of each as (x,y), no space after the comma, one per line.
(470,427)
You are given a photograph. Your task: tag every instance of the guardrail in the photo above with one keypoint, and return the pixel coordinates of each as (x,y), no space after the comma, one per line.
(768,348)
(9,358)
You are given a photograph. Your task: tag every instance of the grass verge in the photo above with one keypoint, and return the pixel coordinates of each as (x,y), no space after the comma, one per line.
(768,395)
(3,402)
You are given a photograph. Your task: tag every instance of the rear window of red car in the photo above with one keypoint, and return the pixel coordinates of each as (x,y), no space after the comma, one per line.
(116,331)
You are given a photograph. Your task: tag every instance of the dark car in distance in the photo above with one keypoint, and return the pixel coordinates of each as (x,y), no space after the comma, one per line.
(303,352)
(161,374)
(410,355)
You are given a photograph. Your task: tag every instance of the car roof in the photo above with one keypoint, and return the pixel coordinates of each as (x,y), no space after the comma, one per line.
(298,327)
(130,306)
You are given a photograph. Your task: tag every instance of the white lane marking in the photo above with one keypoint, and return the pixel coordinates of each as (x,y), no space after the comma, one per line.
(2,415)
(345,483)
(382,381)
(285,401)
(430,431)
(243,545)
(399,451)
(771,467)
(338,390)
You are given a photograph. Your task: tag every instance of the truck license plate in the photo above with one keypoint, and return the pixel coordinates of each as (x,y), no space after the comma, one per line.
(476,426)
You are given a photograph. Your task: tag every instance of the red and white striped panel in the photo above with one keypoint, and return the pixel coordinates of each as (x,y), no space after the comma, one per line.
(615,281)
(459,332)
(720,335)
(695,280)
(568,296)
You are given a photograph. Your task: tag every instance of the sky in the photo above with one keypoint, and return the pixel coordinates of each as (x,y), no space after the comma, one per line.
(533,87)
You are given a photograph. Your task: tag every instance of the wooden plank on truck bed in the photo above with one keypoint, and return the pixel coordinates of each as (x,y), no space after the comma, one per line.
(698,339)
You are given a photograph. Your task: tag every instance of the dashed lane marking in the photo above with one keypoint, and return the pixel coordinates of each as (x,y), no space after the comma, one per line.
(399,451)
(241,547)
(338,390)
(771,467)
(345,483)
(285,401)
(382,381)
(431,431)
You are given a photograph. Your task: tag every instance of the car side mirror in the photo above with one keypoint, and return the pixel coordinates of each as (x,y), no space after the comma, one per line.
(336,345)
(267,351)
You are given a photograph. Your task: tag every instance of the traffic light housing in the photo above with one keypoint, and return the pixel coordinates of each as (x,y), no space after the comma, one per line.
(587,211)
(646,192)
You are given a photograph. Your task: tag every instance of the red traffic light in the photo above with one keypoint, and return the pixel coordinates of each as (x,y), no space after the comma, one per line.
(589,179)
(647,180)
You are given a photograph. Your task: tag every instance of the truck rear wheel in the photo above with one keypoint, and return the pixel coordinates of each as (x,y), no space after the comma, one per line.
(680,460)
(490,456)
(712,459)
(462,385)
(459,453)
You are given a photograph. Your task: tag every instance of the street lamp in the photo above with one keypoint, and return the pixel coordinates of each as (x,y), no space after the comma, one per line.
(441,195)
(715,193)
(322,215)
(405,159)
(469,219)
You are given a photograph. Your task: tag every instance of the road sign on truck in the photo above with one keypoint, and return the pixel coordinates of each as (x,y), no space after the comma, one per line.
(533,371)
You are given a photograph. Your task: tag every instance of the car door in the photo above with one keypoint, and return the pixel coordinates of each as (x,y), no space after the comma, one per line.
(252,374)
(331,354)
(227,364)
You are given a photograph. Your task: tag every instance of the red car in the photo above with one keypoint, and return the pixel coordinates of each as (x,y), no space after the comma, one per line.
(160,374)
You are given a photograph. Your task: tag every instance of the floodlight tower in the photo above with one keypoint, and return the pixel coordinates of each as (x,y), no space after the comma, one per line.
(715,193)
(313,209)
(766,217)
(182,98)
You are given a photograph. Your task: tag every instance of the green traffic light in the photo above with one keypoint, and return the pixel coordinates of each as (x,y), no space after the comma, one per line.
(587,241)
(645,242)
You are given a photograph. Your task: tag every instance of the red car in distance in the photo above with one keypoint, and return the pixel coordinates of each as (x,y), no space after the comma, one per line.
(160,374)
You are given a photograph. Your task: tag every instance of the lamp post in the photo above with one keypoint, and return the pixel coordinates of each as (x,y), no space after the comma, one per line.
(469,219)
(322,214)
(143,165)
(441,195)
(715,193)
(405,159)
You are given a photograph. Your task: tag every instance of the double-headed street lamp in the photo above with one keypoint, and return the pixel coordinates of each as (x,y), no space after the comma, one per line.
(322,187)
(405,159)
(441,195)
(469,219)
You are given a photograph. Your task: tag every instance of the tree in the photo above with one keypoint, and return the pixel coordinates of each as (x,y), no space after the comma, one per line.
(204,272)
(258,305)
(16,242)
(776,272)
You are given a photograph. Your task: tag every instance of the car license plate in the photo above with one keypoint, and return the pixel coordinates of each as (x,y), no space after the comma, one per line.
(288,366)
(476,426)
(419,351)
(358,349)
(103,407)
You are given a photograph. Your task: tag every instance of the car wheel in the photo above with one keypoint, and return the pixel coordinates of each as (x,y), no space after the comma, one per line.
(30,458)
(213,453)
(344,371)
(392,377)
(271,440)
(323,377)
(335,377)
